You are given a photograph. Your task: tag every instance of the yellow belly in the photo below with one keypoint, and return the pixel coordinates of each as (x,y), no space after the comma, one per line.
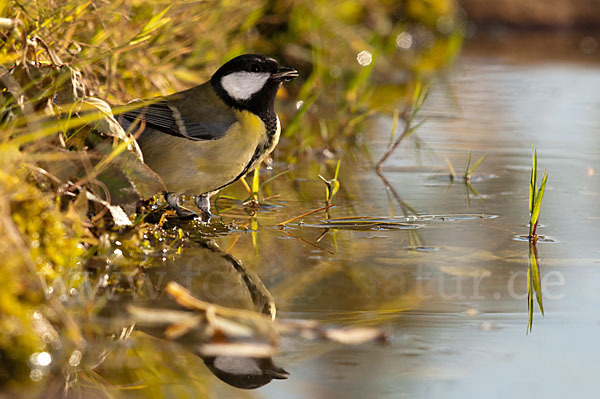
(197,167)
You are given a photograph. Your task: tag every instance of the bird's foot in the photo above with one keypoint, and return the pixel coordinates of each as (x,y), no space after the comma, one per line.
(202,201)
(173,201)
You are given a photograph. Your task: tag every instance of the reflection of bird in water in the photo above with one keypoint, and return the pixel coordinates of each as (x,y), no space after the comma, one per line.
(245,372)
(216,277)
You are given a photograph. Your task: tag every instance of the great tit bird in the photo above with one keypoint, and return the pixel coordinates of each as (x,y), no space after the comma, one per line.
(207,137)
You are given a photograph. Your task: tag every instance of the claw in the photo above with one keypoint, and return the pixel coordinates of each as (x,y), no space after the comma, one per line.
(202,201)
(173,201)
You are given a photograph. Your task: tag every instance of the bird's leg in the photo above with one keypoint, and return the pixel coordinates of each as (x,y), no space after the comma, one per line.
(202,201)
(173,201)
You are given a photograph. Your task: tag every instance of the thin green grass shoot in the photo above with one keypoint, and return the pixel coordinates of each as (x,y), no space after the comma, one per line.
(469,170)
(331,186)
(418,97)
(536,194)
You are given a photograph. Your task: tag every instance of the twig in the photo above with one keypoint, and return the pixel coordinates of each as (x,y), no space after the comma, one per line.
(282,224)
(308,242)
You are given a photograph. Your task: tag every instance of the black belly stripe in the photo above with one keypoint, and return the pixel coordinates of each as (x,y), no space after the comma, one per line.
(270,122)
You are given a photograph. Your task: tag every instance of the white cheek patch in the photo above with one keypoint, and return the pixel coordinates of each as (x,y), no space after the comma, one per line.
(242,85)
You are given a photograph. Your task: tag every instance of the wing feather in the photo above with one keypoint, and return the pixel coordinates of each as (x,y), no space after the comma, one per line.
(167,118)
(205,118)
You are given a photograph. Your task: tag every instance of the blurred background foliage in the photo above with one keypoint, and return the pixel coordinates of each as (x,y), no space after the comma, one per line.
(356,58)
(139,49)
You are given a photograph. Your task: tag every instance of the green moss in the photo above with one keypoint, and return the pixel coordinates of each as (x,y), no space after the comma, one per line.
(38,242)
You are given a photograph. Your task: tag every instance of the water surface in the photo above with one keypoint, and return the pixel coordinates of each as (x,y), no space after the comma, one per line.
(453,291)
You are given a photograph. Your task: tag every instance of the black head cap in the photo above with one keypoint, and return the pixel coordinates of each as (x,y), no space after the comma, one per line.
(250,82)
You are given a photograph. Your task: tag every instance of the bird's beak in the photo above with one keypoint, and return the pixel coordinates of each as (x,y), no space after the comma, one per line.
(285,74)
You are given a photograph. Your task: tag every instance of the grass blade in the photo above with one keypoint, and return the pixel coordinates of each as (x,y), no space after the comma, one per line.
(477,164)
(538,200)
(337,169)
(467,165)
(270,179)
(533,182)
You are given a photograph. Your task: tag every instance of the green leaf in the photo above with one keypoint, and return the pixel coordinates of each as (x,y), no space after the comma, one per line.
(538,200)
(477,164)
(533,182)
(335,186)
(331,186)
(415,127)
(418,98)
(337,170)
(153,24)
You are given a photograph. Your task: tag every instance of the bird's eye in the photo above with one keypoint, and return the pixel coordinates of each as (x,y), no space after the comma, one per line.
(255,68)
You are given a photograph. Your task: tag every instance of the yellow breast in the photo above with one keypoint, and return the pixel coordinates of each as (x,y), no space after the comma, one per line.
(196,167)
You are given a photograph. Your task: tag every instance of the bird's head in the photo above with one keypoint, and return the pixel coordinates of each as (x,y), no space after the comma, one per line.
(250,82)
